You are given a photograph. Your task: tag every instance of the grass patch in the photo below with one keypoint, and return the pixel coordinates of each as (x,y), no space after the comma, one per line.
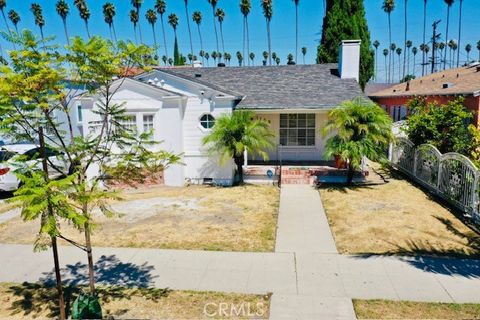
(383,309)
(29,301)
(395,218)
(241,218)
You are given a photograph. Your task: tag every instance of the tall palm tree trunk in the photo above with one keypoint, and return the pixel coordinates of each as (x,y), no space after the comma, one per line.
(114,33)
(269,43)
(405,42)
(386,69)
(155,39)
(66,30)
(189,30)
(223,42)
(408,61)
(459,33)
(446,38)
(135,33)
(88,29)
(164,37)
(424,35)
(215,28)
(296,32)
(201,42)
(244,34)
(376,64)
(389,51)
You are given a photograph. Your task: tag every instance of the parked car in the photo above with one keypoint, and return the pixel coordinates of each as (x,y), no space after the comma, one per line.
(30,153)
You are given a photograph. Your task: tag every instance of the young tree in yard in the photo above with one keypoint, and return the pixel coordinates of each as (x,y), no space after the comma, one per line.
(33,95)
(444,126)
(361,129)
(236,133)
(345,19)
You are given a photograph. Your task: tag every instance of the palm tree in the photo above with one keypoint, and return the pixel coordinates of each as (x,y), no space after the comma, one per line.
(239,58)
(188,25)
(220,14)
(408,45)
(376,44)
(37,11)
(15,18)
(161,7)
(459,32)
(451,45)
(245,7)
(197,18)
(170,61)
(137,4)
(173,21)
(236,133)
(109,13)
(134,20)
(424,56)
(214,55)
(296,29)
(213,3)
(405,38)
(207,56)
(164,59)
(399,53)
(290,59)
(304,52)
(361,129)
(449,5)
(3,4)
(274,56)
(414,52)
(63,10)
(393,46)
(265,57)
(267,6)
(84,13)
(252,57)
(385,53)
(425,49)
(478,48)
(277,60)
(468,48)
(442,47)
(388,7)
(151,17)
(227,57)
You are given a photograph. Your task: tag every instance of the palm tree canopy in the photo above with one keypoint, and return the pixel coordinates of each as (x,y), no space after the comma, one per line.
(161,6)
(109,12)
(376,44)
(3,4)
(274,56)
(233,134)
(213,3)
(151,16)
(197,17)
(304,50)
(220,14)
(385,52)
(133,17)
(252,55)
(245,7)
(478,45)
(14,17)
(441,45)
(137,4)
(468,47)
(36,9)
(399,51)
(393,46)
(267,6)
(388,6)
(173,20)
(362,129)
(408,44)
(62,9)
(265,55)
(449,2)
(414,50)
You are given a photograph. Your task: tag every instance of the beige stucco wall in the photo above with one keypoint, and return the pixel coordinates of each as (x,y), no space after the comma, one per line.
(312,153)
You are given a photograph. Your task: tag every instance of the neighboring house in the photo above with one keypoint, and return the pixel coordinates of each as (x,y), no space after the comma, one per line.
(181,105)
(440,87)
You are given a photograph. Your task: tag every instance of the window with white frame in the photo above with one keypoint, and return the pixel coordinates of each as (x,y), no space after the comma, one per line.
(297,130)
(129,122)
(207,121)
(79,113)
(147,122)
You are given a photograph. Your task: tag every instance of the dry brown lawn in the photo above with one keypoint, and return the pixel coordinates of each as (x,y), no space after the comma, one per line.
(196,217)
(395,218)
(30,301)
(381,309)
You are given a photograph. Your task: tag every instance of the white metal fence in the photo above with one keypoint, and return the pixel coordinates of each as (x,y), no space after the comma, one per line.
(450,176)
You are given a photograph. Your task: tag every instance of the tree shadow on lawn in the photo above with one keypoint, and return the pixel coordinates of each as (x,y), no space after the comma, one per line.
(117,280)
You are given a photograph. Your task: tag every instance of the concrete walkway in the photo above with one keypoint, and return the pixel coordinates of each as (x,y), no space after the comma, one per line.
(306,283)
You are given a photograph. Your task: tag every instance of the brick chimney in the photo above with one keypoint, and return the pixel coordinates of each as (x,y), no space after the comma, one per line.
(349,59)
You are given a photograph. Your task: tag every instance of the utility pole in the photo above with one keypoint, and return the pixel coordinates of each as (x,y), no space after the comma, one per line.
(435,37)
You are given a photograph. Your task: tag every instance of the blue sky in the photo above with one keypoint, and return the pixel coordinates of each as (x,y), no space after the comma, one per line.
(283,23)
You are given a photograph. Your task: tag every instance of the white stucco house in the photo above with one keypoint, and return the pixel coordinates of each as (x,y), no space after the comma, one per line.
(181,105)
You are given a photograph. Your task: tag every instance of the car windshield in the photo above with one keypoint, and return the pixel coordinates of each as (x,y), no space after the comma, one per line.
(5,155)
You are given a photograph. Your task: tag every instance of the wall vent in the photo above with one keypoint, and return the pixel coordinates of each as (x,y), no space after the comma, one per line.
(447,85)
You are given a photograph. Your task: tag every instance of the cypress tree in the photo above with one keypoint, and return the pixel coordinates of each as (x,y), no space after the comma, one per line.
(177,57)
(345,20)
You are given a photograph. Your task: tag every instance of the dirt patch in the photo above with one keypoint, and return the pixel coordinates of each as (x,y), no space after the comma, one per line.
(395,218)
(196,217)
(31,301)
(381,309)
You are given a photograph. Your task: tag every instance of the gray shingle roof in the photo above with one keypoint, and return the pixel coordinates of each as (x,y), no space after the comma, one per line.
(277,87)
